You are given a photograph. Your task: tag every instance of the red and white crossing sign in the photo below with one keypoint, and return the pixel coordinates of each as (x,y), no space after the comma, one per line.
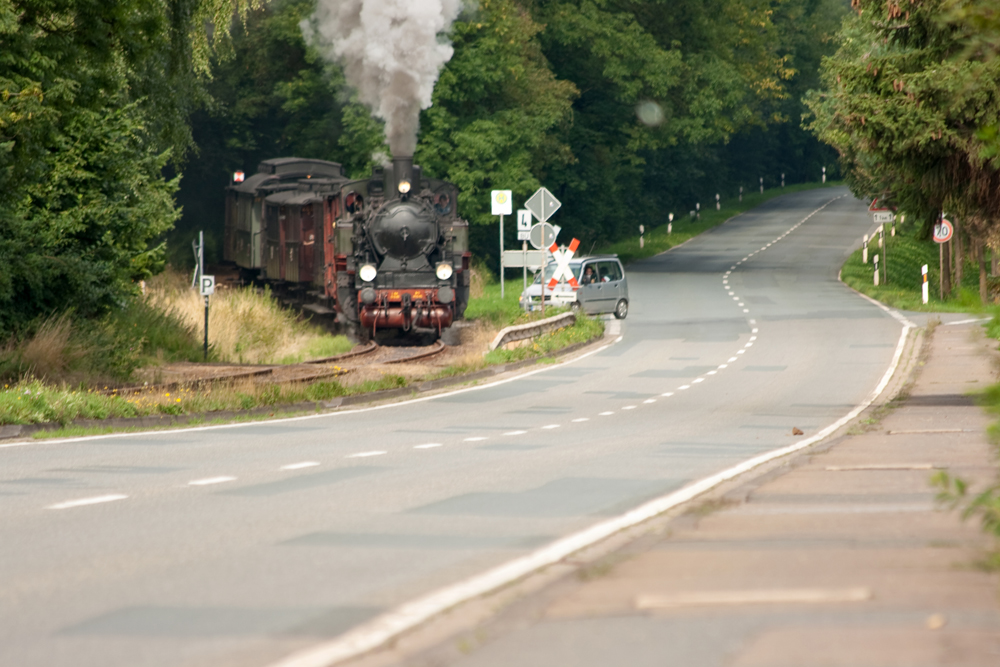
(943,231)
(562,257)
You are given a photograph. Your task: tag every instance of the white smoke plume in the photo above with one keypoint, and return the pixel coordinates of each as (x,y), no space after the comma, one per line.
(391,53)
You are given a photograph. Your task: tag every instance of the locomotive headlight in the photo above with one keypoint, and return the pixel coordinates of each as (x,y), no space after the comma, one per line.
(443,271)
(368,272)
(404,187)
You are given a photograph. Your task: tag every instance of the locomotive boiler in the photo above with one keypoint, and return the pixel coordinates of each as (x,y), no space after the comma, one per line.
(385,252)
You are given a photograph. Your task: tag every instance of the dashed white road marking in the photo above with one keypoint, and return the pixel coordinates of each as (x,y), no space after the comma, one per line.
(684,386)
(581,419)
(362,455)
(711,372)
(475,438)
(745,310)
(605,414)
(429,445)
(740,351)
(300,466)
(211,480)
(697,380)
(667,394)
(723,365)
(515,432)
(88,501)
(732,359)
(650,400)
(548,426)
(629,407)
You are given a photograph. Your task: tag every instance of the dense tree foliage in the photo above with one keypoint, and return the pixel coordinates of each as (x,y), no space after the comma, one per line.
(912,102)
(545,92)
(94,99)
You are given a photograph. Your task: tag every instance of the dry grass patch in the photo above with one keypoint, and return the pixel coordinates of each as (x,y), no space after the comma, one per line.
(244,325)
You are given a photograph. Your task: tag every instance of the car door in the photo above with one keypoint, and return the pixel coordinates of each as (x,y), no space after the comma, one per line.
(590,295)
(611,281)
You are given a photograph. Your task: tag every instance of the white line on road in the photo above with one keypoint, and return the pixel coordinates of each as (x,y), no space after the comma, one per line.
(581,419)
(740,351)
(548,426)
(515,432)
(605,414)
(667,394)
(684,386)
(477,438)
(300,466)
(732,359)
(697,380)
(87,501)
(362,455)
(711,372)
(650,400)
(429,445)
(629,407)
(723,366)
(211,480)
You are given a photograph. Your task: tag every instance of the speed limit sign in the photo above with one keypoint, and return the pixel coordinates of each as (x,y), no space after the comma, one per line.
(943,231)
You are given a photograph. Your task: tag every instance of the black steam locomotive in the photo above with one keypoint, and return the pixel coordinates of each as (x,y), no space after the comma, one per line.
(385,252)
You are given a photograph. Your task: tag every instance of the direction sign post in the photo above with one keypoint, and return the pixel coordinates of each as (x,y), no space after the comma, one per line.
(502,204)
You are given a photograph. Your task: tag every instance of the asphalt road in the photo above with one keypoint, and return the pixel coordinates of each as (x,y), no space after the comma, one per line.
(239,545)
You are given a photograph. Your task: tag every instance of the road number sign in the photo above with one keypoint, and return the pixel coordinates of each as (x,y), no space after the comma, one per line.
(207,285)
(543,235)
(943,231)
(503,202)
(523,220)
(542,204)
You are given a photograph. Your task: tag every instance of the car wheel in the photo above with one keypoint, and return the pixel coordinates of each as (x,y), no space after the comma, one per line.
(575,307)
(621,310)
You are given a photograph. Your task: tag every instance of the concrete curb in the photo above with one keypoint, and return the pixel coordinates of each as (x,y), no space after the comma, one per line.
(13,431)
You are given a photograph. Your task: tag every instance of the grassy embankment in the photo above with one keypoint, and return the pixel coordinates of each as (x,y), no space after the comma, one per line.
(906,255)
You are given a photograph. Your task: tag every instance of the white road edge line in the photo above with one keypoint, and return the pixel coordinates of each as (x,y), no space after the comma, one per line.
(378,631)
(87,501)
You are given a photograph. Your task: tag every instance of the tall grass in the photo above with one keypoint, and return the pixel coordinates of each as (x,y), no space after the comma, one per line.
(244,325)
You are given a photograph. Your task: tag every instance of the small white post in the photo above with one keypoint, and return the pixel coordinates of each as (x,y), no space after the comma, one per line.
(876,270)
(741,193)
(670,224)
(864,250)
(782,180)
(824,174)
(697,210)
(881,233)
(923,287)
(642,238)
(762,185)
(718,206)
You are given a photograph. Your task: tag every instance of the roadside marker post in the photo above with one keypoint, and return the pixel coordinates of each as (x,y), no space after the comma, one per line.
(923,286)
(876,270)
(741,193)
(718,206)
(670,224)
(762,185)
(642,238)
(864,249)
(502,204)
(824,174)
(782,180)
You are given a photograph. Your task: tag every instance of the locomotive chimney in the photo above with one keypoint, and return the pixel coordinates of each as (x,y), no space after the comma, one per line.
(402,174)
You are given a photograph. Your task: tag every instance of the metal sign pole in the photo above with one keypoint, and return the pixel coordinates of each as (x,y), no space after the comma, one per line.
(501,255)
(206,328)
(524,264)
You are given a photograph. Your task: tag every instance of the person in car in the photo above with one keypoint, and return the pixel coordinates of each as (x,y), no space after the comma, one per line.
(588,276)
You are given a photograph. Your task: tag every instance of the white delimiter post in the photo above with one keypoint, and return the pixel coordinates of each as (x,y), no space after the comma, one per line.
(864,250)
(923,287)
(824,174)
(876,270)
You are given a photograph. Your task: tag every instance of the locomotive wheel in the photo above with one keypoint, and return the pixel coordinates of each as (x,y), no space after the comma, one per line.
(621,310)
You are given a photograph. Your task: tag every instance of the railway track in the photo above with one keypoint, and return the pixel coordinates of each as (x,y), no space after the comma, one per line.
(373,354)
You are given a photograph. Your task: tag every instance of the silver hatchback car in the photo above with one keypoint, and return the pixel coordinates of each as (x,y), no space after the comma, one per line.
(603,287)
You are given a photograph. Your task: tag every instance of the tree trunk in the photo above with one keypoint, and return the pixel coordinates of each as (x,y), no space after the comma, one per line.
(983,290)
(945,269)
(959,261)
(995,261)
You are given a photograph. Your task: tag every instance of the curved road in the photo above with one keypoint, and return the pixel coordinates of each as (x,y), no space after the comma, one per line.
(239,545)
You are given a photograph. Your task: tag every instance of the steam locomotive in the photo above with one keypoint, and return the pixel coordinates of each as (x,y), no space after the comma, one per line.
(385,252)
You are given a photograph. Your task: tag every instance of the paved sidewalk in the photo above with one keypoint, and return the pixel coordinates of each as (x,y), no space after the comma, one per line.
(838,559)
